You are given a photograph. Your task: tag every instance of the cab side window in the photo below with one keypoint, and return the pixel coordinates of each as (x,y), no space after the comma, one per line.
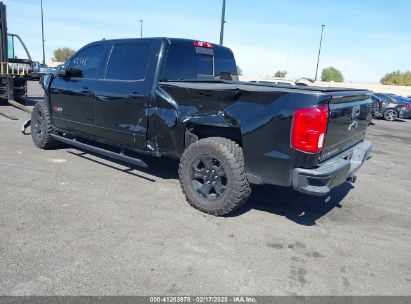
(128,61)
(88,60)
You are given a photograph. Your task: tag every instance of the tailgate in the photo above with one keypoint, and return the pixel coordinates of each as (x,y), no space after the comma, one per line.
(347,121)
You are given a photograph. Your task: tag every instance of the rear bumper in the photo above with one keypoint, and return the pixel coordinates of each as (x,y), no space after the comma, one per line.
(333,172)
(405,113)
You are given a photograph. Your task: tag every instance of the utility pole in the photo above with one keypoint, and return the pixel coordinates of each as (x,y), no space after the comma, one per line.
(141,28)
(288,59)
(222,24)
(319,51)
(42,31)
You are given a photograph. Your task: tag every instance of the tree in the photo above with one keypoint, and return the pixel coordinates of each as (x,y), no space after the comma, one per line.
(62,54)
(280,74)
(332,74)
(239,71)
(397,78)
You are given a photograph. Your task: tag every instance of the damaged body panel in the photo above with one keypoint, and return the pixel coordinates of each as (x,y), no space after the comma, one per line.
(258,117)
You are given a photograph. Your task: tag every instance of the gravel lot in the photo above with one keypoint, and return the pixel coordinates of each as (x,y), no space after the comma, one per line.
(72,223)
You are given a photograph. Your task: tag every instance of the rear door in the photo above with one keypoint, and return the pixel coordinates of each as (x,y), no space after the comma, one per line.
(72,97)
(347,121)
(122,96)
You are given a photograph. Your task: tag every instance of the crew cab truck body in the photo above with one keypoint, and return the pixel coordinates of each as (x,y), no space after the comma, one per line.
(182,98)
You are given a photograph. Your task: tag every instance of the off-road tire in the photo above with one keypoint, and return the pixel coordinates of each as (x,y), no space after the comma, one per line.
(41,127)
(229,155)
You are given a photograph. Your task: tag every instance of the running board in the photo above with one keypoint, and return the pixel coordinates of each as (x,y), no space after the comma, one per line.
(113,155)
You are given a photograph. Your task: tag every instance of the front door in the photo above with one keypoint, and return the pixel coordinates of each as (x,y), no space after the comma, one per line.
(72,96)
(121,97)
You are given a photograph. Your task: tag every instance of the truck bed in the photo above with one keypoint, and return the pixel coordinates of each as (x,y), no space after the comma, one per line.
(348,108)
(247,86)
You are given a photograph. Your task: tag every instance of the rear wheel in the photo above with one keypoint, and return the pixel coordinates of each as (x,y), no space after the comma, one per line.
(390,114)
(41,126)
(212,176)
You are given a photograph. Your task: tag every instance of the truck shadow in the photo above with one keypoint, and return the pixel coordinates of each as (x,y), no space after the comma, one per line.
(163,168)
(298,207)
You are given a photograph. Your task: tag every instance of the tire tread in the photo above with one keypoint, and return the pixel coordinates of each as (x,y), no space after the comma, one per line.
(47,142)
(233,153)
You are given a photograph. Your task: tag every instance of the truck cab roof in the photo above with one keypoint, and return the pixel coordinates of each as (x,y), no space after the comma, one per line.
(156,39)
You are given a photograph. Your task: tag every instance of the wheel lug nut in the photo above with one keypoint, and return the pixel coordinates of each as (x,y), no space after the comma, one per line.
(207,171)
(216,177)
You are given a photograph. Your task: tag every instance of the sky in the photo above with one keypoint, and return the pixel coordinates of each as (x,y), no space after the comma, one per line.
(364,39)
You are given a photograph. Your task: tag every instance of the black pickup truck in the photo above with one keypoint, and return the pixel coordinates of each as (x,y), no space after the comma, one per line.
(181,98)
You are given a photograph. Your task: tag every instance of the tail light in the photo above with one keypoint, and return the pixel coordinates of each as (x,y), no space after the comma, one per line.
(309,128)
(407,105)
(203,44)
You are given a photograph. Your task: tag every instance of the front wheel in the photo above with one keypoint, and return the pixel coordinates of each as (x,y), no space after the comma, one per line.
(212,176)
(41,126)
(390,114)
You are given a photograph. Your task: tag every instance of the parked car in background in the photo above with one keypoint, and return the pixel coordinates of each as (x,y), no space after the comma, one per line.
(275,82)
(375,108)
(281,82)
(407,104)
(390,108)
(402,98)
(407,101)
(38,70)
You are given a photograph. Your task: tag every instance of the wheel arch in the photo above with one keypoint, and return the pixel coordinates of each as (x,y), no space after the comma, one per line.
(196,131)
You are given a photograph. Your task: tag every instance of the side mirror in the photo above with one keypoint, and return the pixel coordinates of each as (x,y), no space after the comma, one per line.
(75,72)
(61,71)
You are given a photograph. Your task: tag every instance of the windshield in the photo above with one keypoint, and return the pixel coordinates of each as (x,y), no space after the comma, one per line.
(15,49)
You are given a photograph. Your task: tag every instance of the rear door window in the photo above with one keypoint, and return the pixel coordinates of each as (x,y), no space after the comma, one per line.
(186,62)
(128,61)
(180,63)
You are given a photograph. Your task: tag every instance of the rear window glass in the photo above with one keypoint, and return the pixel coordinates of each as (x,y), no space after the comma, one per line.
(128,61)
(224,62)
(184,63)
(204,64)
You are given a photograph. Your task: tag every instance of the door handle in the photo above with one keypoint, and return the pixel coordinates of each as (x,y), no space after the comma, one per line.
(136,95)
(85,91)
(101,98)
